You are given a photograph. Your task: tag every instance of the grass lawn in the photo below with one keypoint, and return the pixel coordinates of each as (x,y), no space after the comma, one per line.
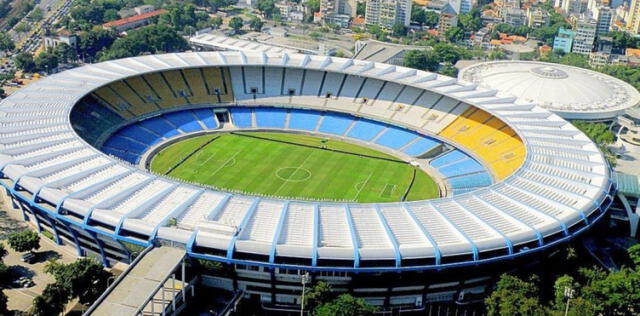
(270,167)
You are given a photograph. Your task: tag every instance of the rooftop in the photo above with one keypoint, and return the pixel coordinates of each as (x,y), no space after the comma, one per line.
(134,18)
(569,91)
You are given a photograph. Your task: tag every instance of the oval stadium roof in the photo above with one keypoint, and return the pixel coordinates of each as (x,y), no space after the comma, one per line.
(571,92)
(559,190)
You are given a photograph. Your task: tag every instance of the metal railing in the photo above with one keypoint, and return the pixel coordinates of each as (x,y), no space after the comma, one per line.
(117,281)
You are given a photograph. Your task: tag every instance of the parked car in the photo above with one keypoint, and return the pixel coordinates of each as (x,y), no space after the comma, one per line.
(23,282)
(28,258)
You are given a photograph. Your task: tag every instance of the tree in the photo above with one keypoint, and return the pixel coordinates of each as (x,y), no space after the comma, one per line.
(22,28)
(514,297)
(3,251)
(6,43)
(111,15)
(315,36)
(420,59)
(399,29)
(6,276)
(236,23)
(623,40)
(216,22)
(95,41)
(266,7)
(36,14)
(418,14)
(616,294)
(345,305)
(319,294)
(431,19)
(361,8)
(3,304)
(85,278)
(151,39)
(470,21)
(448,70)
(64,53)
(256,24)
(46,61)
(448,53)
(454,34)
(634,255)
(497,54)
(25,240)
(559,286)
(598,132)
(50,302)
(313,5)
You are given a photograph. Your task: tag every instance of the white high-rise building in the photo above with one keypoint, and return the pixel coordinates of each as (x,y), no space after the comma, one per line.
(387,13)
(585,36)
(633,20)
(573,6)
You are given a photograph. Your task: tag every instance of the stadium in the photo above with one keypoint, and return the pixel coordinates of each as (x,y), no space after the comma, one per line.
(434,184)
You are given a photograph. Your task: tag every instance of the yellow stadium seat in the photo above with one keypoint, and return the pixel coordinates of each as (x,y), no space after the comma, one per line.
(219,82)
(167,98)
(114,101)
(489,138)
(138,106)
(198,87)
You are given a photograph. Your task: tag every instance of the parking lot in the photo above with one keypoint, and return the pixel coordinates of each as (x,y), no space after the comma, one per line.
(21,298)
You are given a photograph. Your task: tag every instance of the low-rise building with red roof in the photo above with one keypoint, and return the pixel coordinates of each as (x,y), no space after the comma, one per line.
(133,22)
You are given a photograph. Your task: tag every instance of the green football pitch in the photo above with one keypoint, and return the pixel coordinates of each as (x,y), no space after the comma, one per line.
(293,166)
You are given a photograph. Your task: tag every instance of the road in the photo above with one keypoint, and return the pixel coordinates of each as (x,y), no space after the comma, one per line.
(53,10)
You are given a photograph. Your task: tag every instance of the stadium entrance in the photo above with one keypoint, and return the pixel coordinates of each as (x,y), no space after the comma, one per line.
(222,115)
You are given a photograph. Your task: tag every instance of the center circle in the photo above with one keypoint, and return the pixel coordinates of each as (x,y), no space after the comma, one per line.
(293,174)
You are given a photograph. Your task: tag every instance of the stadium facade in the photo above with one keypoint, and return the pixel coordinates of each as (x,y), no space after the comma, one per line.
(520,180)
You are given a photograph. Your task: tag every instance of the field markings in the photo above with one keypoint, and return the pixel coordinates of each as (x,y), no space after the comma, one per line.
(363,184)
(225,164)
(294,172)
(388,190)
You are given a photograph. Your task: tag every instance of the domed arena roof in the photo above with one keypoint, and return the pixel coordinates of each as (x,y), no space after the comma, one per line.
(571,92)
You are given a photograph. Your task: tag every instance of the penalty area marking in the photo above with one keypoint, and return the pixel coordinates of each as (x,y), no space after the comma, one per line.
(360,186)
(388,190)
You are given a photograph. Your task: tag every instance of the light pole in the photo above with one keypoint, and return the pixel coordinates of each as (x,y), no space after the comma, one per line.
(305,279)
(568,293)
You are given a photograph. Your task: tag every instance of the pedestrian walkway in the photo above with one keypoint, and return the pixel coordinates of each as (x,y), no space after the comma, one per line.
(152,276)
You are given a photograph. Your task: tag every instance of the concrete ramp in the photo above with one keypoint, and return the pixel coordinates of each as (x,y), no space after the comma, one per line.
(142,282)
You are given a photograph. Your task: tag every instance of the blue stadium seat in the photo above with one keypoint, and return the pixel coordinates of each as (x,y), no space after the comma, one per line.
(160,127)
(461,191)
(461,167)
(129,157)
(241,117)
(365,130)
(138,133)
(470,181)
(448,158)
(423,145)
(335,123)
(270,117)
(184,120)
(304,120)
(119,142)
(395,138)
(207,117)
(93,118)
